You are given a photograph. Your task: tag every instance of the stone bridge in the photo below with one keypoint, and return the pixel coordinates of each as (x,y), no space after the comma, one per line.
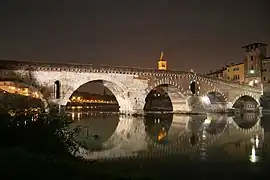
(56,82)
(131,140)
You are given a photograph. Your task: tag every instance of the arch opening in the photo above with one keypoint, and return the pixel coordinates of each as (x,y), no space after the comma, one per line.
(246,103)
(194,87)
(57,90)
(214,100)
(165,97)
(97,95)
(20,96)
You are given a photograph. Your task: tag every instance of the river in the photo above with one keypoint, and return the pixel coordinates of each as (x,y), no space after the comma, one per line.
(202,138)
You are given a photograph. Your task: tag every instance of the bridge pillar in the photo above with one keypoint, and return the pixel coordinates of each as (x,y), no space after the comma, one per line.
(181,107)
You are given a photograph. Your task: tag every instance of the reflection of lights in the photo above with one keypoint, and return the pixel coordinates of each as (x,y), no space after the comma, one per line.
(253,158)
(79,116)
(157,120)
(73,116)
(207,121)
(161,134)
(257,141)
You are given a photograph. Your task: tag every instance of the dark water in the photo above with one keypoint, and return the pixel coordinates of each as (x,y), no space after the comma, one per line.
(207,138)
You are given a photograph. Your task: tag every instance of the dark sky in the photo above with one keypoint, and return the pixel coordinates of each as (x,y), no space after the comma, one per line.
(200,34)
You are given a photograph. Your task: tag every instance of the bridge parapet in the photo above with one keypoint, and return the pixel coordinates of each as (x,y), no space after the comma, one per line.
(75,67)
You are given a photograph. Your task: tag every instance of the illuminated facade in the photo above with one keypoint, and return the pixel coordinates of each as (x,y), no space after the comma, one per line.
(220,73)
(254,55)
(162,63)
(235,73)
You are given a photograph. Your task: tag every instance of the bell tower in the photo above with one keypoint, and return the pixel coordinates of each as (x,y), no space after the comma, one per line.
(162,63)
(254,55)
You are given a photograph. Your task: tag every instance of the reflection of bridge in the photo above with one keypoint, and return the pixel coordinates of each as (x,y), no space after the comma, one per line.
(186,134)
(57,82)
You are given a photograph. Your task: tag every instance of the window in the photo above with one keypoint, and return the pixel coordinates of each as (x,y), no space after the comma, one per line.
(252,68)
(57,91)
(251,58)
(264,78)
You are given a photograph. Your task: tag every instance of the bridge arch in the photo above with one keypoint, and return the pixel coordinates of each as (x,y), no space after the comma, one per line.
(25,89)
(175,93)
(214,99)
(247,101)
(117,89)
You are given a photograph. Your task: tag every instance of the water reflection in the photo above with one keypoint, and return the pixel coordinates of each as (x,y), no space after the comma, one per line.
(246,121)
(92,131)
(215,123)
(207,137)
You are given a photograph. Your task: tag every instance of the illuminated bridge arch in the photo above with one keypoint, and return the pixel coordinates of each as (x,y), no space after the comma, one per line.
(174,91)
(247,94)
(118,89)
(214,99)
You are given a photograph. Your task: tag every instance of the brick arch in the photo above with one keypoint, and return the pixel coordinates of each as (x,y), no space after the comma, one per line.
(177,95)
(118,89)
(216,90)
(245,94)
(165,81)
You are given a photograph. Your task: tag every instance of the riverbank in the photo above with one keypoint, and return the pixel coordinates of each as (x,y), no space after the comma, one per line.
(18,163)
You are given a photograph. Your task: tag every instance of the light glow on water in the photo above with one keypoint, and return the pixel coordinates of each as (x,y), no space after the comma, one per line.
(131,136)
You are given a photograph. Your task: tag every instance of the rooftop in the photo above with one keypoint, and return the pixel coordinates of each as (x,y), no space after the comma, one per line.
(230,65)
(254,44)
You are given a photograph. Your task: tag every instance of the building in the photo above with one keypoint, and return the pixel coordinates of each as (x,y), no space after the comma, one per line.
(162,63)
(266,83)
(266,71)
(254,55)
(235,73)
(219,73)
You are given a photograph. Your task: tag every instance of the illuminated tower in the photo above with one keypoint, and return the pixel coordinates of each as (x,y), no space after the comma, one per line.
(254,55)
(162,63)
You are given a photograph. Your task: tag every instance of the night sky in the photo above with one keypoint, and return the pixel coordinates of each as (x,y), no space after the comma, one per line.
(194,34)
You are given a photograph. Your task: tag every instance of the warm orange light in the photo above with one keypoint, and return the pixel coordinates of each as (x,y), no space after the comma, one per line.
(162,63)
(161,134)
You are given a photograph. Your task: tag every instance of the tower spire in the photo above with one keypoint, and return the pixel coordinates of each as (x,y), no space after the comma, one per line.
(161,55)
(162,63)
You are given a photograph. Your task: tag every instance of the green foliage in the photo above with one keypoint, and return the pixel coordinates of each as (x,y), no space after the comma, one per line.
(42,133)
